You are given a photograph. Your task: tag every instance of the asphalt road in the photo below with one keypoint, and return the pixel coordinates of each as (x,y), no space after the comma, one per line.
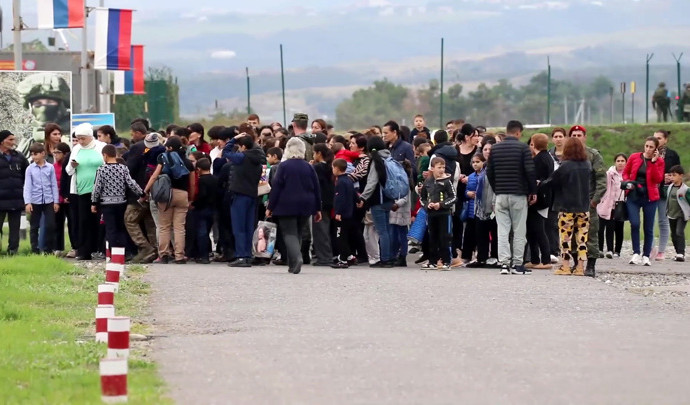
(404,336)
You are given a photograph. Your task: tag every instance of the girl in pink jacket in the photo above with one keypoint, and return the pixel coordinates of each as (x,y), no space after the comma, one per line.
(607,225)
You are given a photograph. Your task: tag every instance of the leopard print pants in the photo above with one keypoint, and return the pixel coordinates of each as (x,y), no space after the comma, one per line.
(567,221)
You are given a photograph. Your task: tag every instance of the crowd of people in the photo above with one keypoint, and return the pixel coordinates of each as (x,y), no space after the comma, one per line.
(462,196)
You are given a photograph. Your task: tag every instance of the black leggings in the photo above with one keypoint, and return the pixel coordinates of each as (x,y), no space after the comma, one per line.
(537,239)
(609,228)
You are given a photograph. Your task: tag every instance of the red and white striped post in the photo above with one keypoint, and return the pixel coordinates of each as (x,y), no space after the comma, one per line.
(103,312)
(115,267)
(107,251)
(113,380)
(106,294)
(118,337)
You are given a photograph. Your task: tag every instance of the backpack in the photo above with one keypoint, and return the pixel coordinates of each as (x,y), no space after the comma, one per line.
(161,191)
(397,183)
(173,165)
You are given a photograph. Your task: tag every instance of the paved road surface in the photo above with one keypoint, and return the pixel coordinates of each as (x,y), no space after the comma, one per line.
(405,336)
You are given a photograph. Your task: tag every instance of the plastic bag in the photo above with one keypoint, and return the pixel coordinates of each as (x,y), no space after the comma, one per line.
(264,240)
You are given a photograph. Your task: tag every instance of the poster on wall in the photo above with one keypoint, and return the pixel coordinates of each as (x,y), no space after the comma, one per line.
(30,100)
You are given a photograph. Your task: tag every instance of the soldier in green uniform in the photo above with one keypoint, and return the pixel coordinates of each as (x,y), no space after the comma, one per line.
(597,188)
(685,103)
(48,97)
(661,102)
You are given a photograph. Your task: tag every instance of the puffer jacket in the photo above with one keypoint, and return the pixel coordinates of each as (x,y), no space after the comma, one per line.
(613,193)
(510,169)
(12,181)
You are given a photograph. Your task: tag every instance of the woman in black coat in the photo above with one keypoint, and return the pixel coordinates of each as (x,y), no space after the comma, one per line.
(539,247)
(570,186)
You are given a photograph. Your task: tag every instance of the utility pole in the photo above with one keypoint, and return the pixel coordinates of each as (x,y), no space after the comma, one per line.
(440,115)
(17,28)
(548,91)
(249,104)
(282,79)
(679,114)
(646,103)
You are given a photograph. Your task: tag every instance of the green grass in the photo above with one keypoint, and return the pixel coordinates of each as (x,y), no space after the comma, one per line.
(46,334)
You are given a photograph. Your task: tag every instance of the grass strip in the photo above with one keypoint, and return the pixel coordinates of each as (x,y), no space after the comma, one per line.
(46,333)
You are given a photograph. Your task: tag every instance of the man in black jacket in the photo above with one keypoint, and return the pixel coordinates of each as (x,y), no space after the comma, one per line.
(12,168)
(510,171)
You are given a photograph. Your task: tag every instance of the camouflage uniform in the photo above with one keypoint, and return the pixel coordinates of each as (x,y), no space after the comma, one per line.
(50,86)
(685,104)
(661,102)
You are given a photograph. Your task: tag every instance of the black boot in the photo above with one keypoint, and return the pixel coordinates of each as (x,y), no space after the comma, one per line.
(590,269)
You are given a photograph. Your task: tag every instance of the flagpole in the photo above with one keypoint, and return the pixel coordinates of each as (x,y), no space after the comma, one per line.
(84,64)
(17,27)
(105,82)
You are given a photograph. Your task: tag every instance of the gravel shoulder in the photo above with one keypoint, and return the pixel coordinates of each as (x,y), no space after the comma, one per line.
(404,336)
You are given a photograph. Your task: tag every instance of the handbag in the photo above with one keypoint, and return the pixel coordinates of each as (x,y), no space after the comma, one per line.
(620,210)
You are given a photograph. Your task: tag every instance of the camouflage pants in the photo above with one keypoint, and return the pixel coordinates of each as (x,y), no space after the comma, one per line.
(662,112)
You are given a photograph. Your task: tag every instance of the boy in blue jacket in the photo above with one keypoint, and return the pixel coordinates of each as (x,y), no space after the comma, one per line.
(344,205)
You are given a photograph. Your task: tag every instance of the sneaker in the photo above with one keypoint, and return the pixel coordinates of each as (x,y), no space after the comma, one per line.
(475,264)
(241,262)
(679,258)
(520,270)
(645,261)
(601,255)
(71,254)
(182,261)
(444,267)
(554,259)
(609,255)
(428,266)
(616,255)
(340,265)
(381,265)
(162,260)
(492,261)
(414,250)
(635,259)
(421,259)
(660,257)
(504,269)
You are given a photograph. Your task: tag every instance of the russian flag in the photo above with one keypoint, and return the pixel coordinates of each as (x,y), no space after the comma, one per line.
(113,39)
(132,81)
(57,14)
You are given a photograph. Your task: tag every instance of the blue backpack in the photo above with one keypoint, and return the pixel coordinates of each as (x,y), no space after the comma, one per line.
(173,165)
(397,183)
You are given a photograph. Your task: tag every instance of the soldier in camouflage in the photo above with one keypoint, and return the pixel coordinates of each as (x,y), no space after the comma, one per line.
(47,96)
(661,102)
(597,188)
(685,103)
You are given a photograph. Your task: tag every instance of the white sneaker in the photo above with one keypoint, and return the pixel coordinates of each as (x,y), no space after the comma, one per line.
(679,258)
(636,259)
(491,261)
(554,259)
(609,255)
(645,261)
(616,256)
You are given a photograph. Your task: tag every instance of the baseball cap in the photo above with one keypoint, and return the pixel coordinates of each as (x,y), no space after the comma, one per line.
(300,117)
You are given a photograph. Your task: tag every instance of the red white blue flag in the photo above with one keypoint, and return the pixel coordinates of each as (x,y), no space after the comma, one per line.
(113,39)
(132,81)
(58,14)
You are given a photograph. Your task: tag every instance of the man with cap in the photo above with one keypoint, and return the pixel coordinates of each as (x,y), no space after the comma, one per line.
(12,168)
(661,102)
(299,127)
(138,214)
(597,188)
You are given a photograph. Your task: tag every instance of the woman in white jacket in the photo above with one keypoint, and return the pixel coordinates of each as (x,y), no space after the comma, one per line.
(607,225)
(85,159)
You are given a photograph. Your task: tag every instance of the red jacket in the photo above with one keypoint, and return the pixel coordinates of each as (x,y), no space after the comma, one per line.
(655,173)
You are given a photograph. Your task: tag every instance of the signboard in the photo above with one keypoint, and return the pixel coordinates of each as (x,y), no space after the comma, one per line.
(9,65)
(30,100)
(97,120)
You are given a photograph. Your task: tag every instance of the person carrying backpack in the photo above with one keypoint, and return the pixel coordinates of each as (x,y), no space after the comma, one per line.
(380,202)
(172,188)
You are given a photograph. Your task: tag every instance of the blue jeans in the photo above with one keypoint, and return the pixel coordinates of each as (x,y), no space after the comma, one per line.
(203,219)
(398,241)
(243,214)
(634,204)
(381,216)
